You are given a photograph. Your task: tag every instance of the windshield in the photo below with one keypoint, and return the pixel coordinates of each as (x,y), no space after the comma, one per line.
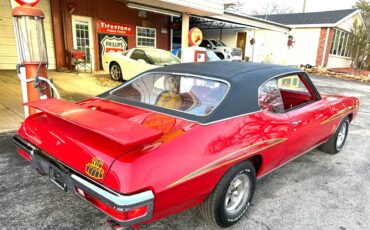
(217,43)
(161,57)
(188,94)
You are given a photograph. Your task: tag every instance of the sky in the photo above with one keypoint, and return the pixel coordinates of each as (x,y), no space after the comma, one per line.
(297,5)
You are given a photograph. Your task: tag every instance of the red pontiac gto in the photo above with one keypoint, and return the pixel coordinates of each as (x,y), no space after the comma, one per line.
(183,135)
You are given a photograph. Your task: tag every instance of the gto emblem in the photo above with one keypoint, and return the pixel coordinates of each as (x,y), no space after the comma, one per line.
(95,168)
(58,142)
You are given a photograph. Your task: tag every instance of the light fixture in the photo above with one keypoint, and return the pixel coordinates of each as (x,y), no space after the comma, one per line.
(28,2)
(152,9)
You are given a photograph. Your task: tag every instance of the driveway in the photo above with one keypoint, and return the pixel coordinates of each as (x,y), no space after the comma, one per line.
(71,86)
(315,191)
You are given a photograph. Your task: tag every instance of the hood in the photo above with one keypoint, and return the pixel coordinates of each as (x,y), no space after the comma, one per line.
(89,136)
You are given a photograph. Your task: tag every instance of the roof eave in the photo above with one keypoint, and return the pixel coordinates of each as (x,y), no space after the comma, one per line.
(275,24)
(312,25)
(349,16)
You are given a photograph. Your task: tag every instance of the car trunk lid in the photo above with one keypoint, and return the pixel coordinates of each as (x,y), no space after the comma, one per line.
(87,140)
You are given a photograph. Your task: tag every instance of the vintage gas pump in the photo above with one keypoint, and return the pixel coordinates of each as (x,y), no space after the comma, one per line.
(194,53)
(32,53)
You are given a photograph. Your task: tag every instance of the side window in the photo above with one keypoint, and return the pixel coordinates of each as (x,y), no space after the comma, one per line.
(139,54)
(269,97)
(294,92)
(205,44)
(293,83)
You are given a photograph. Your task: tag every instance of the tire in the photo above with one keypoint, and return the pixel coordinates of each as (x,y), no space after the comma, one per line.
(115,71)
(220,55)
(217,209)
(337,141)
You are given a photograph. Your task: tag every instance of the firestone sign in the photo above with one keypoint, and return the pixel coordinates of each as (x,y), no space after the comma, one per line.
(115,28)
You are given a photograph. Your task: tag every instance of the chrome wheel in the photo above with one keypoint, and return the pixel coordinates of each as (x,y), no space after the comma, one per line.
(237,194)
(341,136)
(115,72)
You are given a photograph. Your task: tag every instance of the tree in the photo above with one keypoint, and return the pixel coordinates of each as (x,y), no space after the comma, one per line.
(364,7)
(359,45)
(241,6)
(359,36)
(273,8)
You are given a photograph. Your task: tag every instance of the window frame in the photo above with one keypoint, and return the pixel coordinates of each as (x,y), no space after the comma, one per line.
(340,44)
(307,82)
(137,36)
(170,111)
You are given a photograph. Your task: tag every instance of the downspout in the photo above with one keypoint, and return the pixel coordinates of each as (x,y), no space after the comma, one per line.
(325,47)
(254,36)
(66,55)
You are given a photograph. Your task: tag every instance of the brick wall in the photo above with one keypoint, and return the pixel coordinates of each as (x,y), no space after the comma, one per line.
(321,47)
(330,38)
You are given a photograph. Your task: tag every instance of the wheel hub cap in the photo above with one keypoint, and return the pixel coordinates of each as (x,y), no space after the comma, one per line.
(237,194)
(341,136)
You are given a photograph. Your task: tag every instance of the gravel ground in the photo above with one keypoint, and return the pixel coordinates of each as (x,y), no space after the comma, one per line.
(315,191)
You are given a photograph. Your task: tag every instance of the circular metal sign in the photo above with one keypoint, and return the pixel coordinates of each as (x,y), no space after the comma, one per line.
(28,2)
(195,36)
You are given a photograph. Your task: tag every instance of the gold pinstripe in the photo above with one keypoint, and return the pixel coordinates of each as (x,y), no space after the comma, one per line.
(341,113)
(222,161)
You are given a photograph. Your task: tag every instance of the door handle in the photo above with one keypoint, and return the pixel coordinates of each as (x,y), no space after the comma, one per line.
(294,123)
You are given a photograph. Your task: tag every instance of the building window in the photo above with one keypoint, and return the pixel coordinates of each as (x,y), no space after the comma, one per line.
(340,44)
(145,37)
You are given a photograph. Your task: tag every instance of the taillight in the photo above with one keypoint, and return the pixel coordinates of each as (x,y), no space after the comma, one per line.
(117,213)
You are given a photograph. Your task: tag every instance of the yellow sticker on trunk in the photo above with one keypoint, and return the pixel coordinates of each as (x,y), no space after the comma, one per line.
(95,168)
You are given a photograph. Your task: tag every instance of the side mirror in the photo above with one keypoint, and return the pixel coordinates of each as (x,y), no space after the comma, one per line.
(209,46)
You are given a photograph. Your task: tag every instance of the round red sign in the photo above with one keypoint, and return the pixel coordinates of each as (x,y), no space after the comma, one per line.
(28,2)
(195,36)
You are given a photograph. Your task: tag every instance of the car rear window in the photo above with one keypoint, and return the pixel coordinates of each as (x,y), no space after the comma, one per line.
(194,95)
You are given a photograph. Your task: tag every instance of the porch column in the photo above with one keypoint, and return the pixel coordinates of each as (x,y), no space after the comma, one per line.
(185,30)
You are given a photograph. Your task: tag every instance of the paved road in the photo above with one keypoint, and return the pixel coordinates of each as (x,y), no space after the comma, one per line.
(315,191)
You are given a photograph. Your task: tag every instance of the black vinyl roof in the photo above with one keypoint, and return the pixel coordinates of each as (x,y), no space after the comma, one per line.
(323,17)
(244,79)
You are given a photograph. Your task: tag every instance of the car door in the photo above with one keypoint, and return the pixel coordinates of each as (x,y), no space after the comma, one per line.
(306,112)
(139,62)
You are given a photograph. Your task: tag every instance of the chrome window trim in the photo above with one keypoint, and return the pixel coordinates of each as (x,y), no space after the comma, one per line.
(287,74)
(181,74)
(216,121)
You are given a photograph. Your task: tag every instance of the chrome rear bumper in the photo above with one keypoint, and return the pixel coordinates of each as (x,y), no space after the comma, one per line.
(43,162)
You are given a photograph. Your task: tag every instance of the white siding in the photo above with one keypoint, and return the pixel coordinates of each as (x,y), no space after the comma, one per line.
(8,51)
(338,62)
(305,46)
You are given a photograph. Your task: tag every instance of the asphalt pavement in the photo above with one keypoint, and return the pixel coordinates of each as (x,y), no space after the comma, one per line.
(315,191)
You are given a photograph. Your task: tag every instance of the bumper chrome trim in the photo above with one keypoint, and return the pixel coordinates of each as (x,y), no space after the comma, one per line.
(116,199)
(43,161)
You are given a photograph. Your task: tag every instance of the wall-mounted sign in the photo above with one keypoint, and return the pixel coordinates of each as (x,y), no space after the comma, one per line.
(111,43)
(115,28)
(195,36)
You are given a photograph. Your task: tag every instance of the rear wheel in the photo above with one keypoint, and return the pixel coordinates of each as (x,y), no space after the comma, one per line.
(231,197)
(115,72)
(336,142)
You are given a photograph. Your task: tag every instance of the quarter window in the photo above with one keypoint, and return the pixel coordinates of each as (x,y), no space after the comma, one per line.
(145,37)
(269,97)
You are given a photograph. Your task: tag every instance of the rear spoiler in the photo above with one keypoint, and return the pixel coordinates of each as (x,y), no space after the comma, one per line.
(118,129)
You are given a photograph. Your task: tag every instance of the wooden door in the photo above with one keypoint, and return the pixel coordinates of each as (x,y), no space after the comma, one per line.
(241,41)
